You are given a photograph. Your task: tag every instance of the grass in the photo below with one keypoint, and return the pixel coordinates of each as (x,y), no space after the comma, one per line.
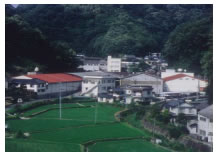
(22,145)
(86,133)
(77,126)
(70,117)
(126,146)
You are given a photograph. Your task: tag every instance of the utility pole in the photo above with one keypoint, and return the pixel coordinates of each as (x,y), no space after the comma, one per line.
(153,127)
(198,89)
(60,100)
(96,111)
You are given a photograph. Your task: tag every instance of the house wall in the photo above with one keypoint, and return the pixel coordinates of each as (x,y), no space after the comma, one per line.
(143,79)
(205,128)
(103,84)
(33,87)
(113,64)
(192,130)
(186,111)
(146,94)
(53,88)
(128,100)
(184,84)
(91,67)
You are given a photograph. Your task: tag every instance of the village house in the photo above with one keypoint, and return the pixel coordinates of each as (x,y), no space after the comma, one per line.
(136,93)
(182,108)
(205,124)
(94,83)
(183,83)
(177,107)
(143,79)
(93,64)
(46,85)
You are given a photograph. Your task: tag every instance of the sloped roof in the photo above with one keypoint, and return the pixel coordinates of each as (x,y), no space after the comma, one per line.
(57,77)
(207,112)
(27,81)
(177,76)
(94,74)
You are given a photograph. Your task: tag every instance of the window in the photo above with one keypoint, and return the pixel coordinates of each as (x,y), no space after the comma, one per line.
(210,133)
(211,120)
(202,132)
(86,88)
(202,119)
(109,81)
(149,92)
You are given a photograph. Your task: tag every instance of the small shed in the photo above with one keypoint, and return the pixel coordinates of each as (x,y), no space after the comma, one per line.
(104,97)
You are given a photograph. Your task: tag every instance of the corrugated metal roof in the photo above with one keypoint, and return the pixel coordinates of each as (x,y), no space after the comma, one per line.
(57,77)
(207,112)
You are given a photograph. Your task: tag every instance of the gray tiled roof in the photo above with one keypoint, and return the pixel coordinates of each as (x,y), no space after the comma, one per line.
(98,73)
(207,112)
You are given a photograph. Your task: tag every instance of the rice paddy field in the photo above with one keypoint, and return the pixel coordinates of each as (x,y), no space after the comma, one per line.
(80,124)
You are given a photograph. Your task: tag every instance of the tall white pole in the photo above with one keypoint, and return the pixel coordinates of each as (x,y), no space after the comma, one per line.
(96,111)
(60,101)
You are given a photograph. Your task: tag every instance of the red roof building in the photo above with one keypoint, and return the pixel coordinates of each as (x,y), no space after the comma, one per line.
(177,76)
(56,77)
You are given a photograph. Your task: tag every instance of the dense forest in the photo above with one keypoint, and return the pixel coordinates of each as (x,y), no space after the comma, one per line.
(49,36)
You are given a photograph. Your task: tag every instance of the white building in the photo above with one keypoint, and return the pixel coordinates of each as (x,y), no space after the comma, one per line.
(50,84)
(113,64)
(142,92)
(183,83)
(186,109)
(143,79)
(94,64)
(205,124)
(95,83)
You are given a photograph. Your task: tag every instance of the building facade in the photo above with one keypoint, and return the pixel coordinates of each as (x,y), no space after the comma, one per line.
(50,84)
(143,79)
(205,124)
(95,83)
(113,64)
(183,83)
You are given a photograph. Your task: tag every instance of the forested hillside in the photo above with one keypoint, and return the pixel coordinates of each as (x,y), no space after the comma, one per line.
(183,33)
